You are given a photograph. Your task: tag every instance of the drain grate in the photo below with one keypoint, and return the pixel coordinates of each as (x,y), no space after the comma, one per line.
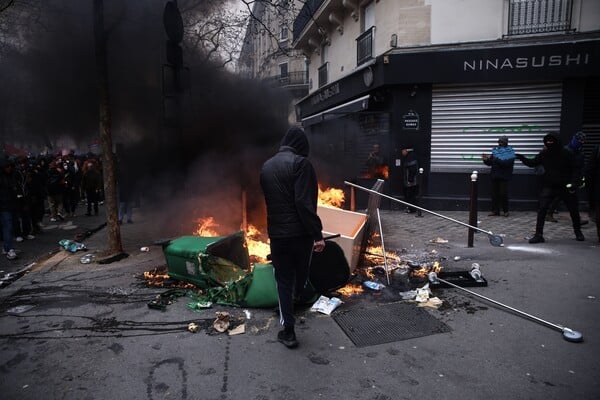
(387,323)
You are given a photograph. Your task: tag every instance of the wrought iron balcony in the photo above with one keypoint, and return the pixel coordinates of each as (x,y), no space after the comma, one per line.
(539,16)
(295,78)
(364,46)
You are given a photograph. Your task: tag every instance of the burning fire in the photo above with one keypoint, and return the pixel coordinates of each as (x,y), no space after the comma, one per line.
(331,197)
(206,227)
(257,248)
(350,289)
(423,271)
(159,277)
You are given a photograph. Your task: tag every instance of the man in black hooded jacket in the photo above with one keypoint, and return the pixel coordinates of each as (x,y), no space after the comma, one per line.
(290,187)
(560,177)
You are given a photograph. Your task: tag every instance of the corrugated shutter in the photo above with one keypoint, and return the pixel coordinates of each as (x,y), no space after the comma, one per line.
(467,121)
(591,116)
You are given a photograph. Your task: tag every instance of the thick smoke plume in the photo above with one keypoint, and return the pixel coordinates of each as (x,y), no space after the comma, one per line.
(199,167)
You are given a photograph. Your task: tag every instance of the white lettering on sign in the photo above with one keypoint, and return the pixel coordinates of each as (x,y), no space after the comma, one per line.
(555,60)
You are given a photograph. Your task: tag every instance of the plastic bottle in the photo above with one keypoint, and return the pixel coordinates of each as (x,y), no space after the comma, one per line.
(373,285)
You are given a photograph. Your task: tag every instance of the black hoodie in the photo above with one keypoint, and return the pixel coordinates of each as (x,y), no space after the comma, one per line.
(290,187)
(558,162)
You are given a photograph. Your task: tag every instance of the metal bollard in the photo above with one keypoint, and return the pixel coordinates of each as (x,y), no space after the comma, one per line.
(472,208)
(420,193)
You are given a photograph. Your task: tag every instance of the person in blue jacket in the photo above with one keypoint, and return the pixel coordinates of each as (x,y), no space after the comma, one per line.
(502,160)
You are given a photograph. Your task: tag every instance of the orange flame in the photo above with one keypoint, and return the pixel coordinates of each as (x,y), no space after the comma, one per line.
(350,289)
(331,197)
(206,227)
(257,248)
(423,271)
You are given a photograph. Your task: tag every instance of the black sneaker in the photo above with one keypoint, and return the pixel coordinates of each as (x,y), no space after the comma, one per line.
(288,338)
(537,239)
(579,236)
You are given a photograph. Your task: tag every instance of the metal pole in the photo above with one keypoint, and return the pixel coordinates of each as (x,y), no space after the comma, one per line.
(385,264)
(472,208)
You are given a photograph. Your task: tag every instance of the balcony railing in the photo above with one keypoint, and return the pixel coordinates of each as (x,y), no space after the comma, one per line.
(364,46)
(289,79)
(323,74)
(539,16)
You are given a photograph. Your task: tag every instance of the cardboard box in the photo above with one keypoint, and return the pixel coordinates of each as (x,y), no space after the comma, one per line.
(350,225)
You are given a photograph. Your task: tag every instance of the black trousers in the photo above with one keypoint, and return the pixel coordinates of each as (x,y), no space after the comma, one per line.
(291,261)
(499,195)
(548,194)
(410,196)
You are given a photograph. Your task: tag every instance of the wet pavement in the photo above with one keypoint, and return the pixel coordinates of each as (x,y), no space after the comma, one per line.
(84,331)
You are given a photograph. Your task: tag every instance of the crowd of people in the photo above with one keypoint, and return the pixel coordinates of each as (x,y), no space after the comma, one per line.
(31,187)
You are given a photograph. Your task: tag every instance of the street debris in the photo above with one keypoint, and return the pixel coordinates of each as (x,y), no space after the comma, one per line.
(192,327)
(20,309)
(238,330)
(145,249)
(87,259)
(423,294)
(373,285)
(221,324)
(432,302)
(439,240)
(326,305)
(71,245)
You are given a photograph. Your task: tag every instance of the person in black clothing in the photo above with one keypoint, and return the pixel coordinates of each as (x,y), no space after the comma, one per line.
(289,184)
(559,180)
(593,174)
(502,160)
(410,173)
(8,205)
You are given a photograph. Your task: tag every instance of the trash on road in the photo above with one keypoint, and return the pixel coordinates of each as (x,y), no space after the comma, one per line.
(221,324)
(439,240)
(238,330)
(71,245)
(20,309)
(86,259)
(432,302)
(423,294)
(373,285)
(192,327)
(408,295)
(145,249)
(326,305)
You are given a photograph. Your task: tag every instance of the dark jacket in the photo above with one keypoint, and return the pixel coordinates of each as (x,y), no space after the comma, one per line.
(410,169)
(290,187)
(558,162)
(8,190)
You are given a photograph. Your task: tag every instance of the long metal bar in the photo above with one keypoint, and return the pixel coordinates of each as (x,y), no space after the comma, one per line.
(533,317)
(385,264)
(417,207)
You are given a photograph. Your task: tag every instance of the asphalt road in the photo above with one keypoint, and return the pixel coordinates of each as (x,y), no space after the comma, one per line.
(84,331)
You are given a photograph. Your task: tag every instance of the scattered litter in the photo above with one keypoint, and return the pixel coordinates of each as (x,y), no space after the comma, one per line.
(238,330)
(409,295)
(88,258)
(591,297)
(439,240)
(192,327)
(456,258)
(248,314)
(373,285)
(476,272)
(432,302)
(326,305)
(145,249)
(221,324)
(20,309)
(200,305)
(423,294)
(71,245)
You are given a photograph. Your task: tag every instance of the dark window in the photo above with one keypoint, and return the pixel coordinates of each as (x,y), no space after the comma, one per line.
(539,16)
(364,46)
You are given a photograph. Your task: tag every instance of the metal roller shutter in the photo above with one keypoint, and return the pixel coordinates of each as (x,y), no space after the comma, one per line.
(467,121)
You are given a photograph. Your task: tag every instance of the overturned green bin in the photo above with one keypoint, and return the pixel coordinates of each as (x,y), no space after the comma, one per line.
(207,261)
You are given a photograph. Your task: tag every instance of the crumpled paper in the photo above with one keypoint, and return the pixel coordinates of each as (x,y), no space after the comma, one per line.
(221,324)
(326,305)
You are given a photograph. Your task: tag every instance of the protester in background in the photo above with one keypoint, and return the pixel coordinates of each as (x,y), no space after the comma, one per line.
(502,160)
(290,188)
(410,177)
(376,165)
(559,180)
(594,186)
(22,222)
(8,205)
(575,146)
(91,183)
(55,185)
(37,191)
(72,183)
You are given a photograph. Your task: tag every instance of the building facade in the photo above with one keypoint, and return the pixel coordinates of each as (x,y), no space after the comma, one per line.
(267,51)
(447,78)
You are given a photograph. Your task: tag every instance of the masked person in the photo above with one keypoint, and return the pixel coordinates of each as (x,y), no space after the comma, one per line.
(290,188)
(559,180)
(502,160)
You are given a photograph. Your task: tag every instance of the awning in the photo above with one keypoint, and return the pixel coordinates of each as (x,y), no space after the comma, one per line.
(360,104)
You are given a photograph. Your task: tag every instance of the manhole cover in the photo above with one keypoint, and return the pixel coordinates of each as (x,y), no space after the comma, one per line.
(388,323)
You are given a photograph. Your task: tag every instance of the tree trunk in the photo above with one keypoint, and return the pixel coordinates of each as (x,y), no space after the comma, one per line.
(110,193)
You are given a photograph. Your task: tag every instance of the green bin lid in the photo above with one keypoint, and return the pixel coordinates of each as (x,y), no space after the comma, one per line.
(190,246)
